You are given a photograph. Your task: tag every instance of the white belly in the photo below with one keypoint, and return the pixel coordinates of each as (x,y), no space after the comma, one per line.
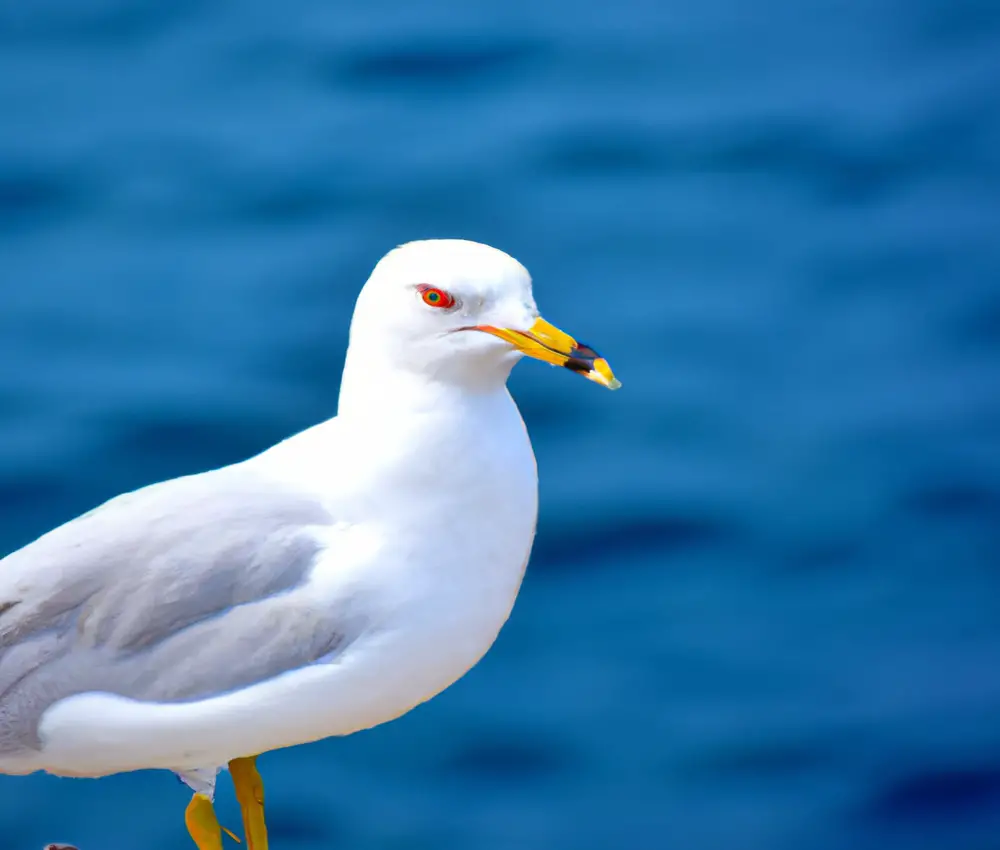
(377,679)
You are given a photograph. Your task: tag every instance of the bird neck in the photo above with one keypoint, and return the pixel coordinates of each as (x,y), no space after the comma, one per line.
(386,415)
(375,388)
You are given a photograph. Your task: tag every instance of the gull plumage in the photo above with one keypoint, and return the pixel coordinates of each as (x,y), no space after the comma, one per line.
(326,585)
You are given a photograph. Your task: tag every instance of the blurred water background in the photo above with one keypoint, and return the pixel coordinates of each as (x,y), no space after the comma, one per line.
(763,608)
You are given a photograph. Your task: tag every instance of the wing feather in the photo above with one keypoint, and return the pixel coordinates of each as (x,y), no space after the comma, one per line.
(176,592)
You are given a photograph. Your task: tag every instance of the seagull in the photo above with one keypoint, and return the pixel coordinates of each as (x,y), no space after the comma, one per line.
(326,585)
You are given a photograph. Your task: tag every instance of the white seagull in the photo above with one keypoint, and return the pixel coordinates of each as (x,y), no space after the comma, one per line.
(327,585)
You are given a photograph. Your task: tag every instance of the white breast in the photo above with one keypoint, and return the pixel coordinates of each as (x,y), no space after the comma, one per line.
(453,538)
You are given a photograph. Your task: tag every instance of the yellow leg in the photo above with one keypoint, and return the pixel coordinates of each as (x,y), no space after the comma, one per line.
(250,795)
(202,824)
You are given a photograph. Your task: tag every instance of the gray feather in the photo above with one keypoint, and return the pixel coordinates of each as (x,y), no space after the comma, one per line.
(176,592)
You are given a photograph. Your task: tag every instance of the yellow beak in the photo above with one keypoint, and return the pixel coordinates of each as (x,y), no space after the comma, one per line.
(547,343)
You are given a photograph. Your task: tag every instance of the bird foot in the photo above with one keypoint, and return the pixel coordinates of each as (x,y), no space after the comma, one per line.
(203,825)
(250,795)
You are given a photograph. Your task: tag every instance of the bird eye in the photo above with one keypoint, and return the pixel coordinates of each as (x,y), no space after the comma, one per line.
(434,297)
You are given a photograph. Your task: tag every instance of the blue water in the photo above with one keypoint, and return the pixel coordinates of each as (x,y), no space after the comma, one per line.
(764,605)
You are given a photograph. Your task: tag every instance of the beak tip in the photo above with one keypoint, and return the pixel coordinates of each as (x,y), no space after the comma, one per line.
(601,373)
(612,383)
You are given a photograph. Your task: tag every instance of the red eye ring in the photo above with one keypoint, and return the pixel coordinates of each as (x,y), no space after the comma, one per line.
(434,297)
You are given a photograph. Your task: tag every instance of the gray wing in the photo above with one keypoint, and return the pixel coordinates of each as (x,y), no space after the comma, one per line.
(176,592)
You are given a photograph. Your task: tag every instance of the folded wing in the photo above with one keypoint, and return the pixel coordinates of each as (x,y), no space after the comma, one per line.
(176,592)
